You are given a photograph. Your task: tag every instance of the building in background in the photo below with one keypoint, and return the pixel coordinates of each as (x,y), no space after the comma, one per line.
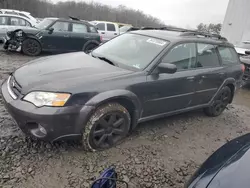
(236,25)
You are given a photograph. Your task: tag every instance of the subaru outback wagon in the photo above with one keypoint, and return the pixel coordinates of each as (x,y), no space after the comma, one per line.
(139,76)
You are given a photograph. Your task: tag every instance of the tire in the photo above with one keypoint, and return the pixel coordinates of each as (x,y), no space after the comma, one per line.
(220,102)
(107,127)
(89,47)
(31,47)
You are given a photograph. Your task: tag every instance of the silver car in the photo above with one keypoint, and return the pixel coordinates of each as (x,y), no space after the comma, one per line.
(9,22)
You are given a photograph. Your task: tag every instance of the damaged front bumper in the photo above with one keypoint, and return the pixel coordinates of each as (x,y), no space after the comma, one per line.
(13,40)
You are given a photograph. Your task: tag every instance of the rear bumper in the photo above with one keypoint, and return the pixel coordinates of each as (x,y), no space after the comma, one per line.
(59,122)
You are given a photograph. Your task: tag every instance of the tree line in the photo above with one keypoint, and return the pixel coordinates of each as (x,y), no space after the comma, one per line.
(83,10)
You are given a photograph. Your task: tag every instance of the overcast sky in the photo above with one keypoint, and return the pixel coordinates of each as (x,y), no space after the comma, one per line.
(181,13)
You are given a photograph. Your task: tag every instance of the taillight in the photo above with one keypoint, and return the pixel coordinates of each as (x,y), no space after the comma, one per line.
(243,68)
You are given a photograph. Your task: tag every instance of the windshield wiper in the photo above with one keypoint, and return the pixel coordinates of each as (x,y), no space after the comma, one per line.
(105,59)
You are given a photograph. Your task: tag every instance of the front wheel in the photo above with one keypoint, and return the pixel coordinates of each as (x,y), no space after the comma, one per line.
(108,126)
(31,47)
(220,102)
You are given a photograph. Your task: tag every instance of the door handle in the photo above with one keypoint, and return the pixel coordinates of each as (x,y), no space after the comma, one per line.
(203,77)
(102,32)
(66,35)
(191,78)
(115,33)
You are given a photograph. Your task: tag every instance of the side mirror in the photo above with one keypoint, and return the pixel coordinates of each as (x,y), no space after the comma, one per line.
(51,29)
(167,68)
(247,52)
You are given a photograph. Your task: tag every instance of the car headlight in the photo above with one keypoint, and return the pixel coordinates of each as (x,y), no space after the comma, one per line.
(41,98)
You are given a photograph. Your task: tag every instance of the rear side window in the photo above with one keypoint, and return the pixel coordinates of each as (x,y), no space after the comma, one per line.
(79,28)
(92,29)
(207,55)
(228,55)
(101,26)
(17,21)
(3,20)
(110,27)
(183,56)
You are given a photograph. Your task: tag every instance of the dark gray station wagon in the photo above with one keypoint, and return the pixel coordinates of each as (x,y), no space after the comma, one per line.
(138,76)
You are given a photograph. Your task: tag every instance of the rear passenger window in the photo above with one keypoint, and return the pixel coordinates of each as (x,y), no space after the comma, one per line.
(3,20)
(92,29)
(79,28)
(110,27)
(183,56)
(228,55)
(101,26)
(207,56)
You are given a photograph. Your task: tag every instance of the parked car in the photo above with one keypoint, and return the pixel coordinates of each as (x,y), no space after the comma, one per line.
(27,15)
(228,167)
(127,28)
(242,48)
(107,30)
(246,61)
(138,76)
(10,22)
(54,35)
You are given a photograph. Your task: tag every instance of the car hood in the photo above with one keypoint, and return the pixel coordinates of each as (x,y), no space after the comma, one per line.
(228,167)
(241,51)
(65,71)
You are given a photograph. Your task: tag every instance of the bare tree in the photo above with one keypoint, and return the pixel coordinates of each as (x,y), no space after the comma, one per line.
(83,10)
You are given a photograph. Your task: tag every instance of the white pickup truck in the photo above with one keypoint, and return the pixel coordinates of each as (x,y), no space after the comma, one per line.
(107,30)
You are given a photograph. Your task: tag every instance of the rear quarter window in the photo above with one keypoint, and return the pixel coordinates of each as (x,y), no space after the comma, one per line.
(92,29)
(228,55)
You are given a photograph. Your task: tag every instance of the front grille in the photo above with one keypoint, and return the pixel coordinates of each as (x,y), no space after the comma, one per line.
(14,88)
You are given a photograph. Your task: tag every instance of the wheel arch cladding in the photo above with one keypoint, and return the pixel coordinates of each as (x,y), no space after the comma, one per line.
(126,98)
(34,38)
(232,88)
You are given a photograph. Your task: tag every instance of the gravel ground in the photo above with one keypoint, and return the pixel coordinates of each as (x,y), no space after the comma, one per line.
(161,153)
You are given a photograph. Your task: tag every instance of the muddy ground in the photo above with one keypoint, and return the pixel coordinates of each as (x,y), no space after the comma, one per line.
(161,153)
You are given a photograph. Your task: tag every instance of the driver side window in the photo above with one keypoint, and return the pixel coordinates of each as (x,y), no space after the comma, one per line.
(61,26)
(182,55)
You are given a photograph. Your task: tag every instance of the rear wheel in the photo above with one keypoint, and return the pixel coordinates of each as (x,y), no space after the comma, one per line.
(31,47)
(89,48)
(107,127)
(220,102)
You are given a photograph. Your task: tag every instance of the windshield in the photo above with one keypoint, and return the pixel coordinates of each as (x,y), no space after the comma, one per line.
(44,24)
(131,50)
(124,28)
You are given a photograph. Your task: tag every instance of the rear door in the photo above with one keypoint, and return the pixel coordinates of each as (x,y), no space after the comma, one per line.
(79,36)
(59,39)
(211,74)
(111,30)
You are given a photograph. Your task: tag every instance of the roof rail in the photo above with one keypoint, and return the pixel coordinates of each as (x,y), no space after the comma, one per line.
(209,35)
(187,32)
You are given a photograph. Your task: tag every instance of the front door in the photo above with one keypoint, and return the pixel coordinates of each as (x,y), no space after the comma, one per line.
(101,27)
(57,39)
(172,92)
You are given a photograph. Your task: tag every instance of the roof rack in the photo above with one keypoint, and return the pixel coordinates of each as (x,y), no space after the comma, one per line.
(187,32)
(209,35)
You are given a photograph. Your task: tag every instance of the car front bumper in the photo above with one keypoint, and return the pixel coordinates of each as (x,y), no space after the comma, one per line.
(57,122)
